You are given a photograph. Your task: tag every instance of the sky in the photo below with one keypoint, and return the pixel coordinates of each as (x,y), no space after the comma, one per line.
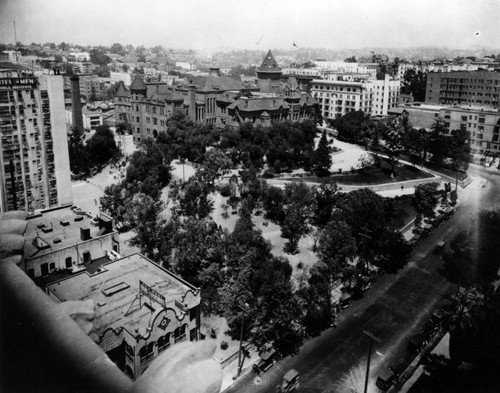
(255,24)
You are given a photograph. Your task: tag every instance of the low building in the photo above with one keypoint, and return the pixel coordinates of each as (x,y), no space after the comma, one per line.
(141,309)
(482,124)
(65,240)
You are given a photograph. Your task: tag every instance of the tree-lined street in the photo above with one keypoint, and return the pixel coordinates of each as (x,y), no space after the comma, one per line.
(393,309)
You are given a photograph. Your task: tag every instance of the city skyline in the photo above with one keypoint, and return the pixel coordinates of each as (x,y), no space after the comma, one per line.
(234,24)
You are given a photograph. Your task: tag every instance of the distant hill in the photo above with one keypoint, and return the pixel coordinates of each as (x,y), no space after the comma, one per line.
(301,55)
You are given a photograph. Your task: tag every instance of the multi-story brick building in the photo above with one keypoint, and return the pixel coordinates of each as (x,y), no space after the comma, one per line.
(480,88)
(34,160)
(215,99)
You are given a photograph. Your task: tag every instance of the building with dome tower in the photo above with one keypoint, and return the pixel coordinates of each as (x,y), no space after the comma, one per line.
(216,99)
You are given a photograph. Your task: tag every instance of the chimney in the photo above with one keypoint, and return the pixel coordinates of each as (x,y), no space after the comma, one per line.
(84,233)
(192,102)
(76,104)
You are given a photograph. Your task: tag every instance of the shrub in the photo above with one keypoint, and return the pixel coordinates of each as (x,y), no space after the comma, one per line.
(224,345)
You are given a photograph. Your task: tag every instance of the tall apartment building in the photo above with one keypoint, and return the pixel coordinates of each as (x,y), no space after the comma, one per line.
(341,93)
(464,88)
(34,160)
(386,94)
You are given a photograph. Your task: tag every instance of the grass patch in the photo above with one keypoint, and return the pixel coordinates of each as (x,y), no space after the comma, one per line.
(371,176)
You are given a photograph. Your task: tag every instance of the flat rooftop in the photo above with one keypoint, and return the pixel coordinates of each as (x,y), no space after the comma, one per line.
(114,288)
(57,229)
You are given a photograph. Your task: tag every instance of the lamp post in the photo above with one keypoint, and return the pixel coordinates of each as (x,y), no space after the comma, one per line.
(372,339)
(243,306)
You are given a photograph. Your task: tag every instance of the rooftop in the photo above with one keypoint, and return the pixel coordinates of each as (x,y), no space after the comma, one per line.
(114,288)
(57,229)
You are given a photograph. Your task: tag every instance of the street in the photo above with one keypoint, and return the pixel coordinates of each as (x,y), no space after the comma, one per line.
(392,309)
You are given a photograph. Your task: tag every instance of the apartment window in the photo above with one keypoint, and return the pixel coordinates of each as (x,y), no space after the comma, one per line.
(137,119)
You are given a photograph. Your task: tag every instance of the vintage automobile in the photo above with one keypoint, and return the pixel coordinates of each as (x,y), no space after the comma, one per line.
(290,382)
(267,360)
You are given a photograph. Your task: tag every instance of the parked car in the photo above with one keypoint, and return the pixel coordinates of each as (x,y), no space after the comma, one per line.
(267,360)
(388,376)
(290,382)
(439,247)
(345,300)
(417,343)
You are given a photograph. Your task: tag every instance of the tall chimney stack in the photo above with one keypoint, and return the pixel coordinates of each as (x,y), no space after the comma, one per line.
(76,104)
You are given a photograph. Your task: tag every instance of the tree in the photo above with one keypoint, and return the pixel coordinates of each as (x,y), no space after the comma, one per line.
(99,57)
(117,49)
(354,126)
(326,196)
(351,59)
(102,146)
(438,142)
(335,246)
(215,165)
(79,158)
(273,201)
(322,160)
(116,201)
(316,300)
(298,212)
(414,83)
(145,211)
(424,199)
(193,199)
(459,150)
(393,139)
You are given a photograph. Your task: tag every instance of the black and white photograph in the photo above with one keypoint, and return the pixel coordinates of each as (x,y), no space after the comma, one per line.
(249,196)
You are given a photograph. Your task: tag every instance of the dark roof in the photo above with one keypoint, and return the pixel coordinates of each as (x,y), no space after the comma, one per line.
(122,91)
(269,64)
(259,104)
(215,83)
(138,84)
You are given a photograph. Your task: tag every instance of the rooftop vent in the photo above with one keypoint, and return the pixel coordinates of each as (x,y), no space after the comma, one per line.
(115,289)
(64,223)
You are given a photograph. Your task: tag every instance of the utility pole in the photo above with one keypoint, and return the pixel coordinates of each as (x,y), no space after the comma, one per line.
(15,33)
(372,339)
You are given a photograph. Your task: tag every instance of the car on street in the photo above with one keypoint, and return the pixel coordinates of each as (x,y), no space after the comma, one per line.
(266,361)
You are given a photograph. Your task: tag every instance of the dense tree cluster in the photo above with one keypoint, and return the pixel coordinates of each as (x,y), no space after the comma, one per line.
(238,275)
(474,310)
(414,83)
(94,153)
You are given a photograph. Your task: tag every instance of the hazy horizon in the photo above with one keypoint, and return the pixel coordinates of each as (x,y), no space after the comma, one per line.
(256,25)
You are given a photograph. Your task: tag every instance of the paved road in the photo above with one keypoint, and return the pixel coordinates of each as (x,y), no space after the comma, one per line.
(393,309)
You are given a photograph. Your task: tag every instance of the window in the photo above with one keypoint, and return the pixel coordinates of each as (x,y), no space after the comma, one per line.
(69,262)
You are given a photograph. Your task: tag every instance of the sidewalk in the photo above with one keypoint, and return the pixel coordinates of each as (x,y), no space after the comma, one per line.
(230,371)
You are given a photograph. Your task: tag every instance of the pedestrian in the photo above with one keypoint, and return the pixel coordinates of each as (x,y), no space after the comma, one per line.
(95,201)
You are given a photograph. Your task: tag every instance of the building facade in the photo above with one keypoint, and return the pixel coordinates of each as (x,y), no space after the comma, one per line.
(216,99)
(141,309)
(480,88)
(34,159)
(481,124)
(67,240)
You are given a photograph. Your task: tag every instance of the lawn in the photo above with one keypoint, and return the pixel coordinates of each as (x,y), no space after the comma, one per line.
(371,176)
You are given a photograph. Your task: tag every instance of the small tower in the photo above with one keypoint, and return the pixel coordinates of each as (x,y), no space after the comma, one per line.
(268,74)
(138,89)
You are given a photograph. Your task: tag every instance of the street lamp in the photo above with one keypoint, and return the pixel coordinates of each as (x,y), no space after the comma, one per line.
(243,306)
(372,339)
